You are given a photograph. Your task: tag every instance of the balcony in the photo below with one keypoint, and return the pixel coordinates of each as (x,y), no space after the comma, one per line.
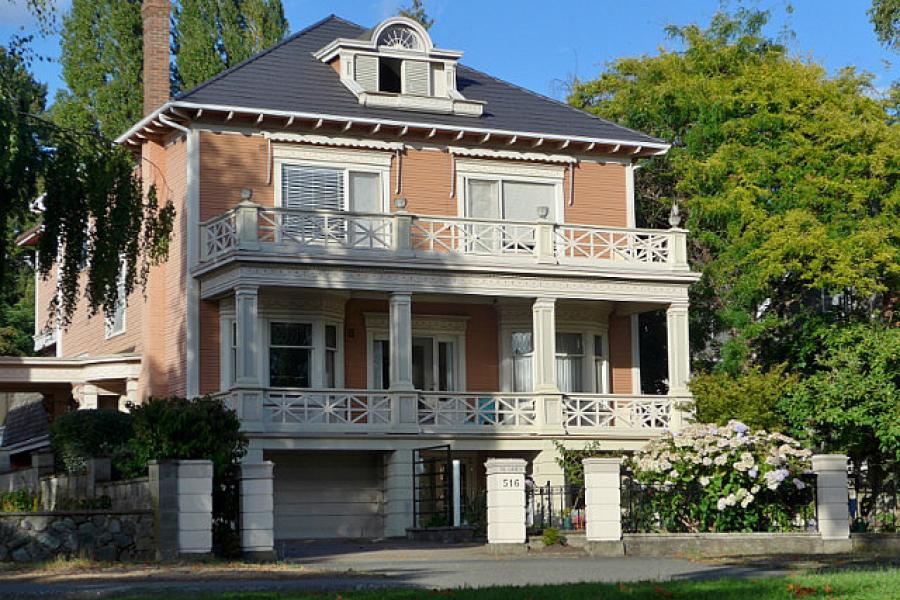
(252,230)
(334,411)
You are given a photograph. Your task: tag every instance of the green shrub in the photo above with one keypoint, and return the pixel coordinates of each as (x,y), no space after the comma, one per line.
(199,429)
(19,501)
(552,537)
(82,434)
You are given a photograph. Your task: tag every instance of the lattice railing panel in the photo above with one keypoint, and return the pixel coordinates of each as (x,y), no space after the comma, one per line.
(602,412)
(476,410)
(220,236)
(326,228)
(595,243)
(327,408)
(465,236)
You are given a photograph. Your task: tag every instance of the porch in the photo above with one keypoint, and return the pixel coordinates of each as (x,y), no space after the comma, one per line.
(335,363)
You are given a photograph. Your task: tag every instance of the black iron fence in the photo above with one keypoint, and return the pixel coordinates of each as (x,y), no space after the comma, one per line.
(558,506)
(874,498)
(689,508)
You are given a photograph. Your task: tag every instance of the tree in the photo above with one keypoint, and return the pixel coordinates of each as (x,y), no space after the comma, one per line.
(885,17)
(96,225)
(102,53)
(415,10)
(212,35)
(789,178)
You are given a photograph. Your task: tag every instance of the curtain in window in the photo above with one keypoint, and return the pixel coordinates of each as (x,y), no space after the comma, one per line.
(569,359)
(482,202)
(522,200)
(523,365)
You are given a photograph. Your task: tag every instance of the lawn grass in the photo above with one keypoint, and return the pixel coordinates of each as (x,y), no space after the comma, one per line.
(881,584)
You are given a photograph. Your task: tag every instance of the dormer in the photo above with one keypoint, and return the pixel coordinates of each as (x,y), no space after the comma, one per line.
(395,65)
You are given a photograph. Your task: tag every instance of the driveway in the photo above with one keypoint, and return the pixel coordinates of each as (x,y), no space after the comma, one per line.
(347,565)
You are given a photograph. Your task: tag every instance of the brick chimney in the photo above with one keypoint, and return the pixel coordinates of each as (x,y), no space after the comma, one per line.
(155,15)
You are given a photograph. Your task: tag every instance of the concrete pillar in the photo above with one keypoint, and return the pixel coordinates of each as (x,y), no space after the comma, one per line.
(679,348)
(831,496)
(401,341)
(246,311)
(544,333)
(398,492)
(181,494)
(257,510)
(602,499)
(505,502)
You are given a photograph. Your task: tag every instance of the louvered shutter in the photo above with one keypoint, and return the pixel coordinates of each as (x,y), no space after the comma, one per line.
(312,188)
(416,77)
(367,72)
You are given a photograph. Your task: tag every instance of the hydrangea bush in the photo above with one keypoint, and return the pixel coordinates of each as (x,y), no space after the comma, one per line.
(720,478)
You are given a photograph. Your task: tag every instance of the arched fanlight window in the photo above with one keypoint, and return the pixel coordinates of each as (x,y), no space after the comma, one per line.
(400,36)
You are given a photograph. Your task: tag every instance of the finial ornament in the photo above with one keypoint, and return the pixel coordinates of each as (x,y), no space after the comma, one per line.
(675,215)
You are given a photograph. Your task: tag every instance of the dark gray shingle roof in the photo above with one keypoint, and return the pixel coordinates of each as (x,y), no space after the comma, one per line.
(288,78)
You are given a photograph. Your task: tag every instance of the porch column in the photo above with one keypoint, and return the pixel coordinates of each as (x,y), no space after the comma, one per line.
(398,492)
(89,400)
(679,348)
(544,333)
(401,341)
(130,399)
(545,468)
(246,311)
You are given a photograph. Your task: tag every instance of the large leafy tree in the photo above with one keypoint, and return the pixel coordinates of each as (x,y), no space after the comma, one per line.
(102,48)
(789,177)
(885,17)
(415,10)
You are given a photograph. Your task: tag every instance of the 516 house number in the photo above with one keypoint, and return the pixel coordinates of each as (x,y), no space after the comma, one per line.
(510,482)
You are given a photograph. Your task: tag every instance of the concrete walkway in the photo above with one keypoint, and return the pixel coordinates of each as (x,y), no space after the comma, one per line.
(343,565)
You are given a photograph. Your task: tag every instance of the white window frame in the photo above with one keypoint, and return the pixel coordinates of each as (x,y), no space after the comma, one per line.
(116,327)
(317,360)
(339,159)
(500,172)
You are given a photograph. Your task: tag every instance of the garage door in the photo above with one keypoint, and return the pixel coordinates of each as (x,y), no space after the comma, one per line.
(327,494)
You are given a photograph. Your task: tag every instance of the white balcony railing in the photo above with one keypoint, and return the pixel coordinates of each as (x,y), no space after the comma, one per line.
(302,410)
(252,228)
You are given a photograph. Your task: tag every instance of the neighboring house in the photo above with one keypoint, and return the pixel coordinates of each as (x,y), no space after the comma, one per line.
(378,250)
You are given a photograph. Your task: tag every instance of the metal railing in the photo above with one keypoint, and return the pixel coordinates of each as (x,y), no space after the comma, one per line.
(251,227)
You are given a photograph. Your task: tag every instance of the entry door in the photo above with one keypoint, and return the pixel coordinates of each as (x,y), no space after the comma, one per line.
(434,363)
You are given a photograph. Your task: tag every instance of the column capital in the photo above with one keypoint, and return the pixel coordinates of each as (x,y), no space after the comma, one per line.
(678,305)
(246,290)
(544,302)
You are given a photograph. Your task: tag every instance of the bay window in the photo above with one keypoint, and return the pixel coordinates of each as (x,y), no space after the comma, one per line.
(522,344)
(569,362)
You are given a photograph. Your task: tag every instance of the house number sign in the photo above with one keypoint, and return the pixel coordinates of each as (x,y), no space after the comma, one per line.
(511,483)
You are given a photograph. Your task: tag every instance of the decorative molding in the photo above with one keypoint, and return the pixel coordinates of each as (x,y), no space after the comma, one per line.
(223,280)
(468,166)
(326,140)
(511,155)
(295,152)
(421,324)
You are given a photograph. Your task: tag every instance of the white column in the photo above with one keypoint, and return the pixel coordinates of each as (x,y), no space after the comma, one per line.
(602,500)
(401,341)
(246,310)
(257,510)
(398,492)
(544,333)
(131,396)
(181,493)
(505,501)
(831,496)
(679,348)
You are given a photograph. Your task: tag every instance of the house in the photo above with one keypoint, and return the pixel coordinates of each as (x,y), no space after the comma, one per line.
(380,254)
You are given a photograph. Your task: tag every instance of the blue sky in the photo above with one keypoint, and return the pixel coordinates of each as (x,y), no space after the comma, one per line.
(539,44)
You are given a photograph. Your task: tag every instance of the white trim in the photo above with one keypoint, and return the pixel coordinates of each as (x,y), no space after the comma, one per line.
(630,219)
(635,354)
(661,147)
(192,214)
(511,154)
(327,140)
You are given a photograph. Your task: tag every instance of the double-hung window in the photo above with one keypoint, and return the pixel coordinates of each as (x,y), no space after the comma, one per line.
(115,323)
(522,346)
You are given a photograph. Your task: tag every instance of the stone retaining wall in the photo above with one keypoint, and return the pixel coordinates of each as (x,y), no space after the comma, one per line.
(717,545)
(100,535)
